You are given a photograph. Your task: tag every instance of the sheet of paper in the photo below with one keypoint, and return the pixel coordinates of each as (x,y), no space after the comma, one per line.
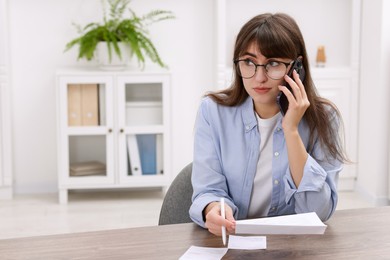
(247,242)
(204,253)
(298,224)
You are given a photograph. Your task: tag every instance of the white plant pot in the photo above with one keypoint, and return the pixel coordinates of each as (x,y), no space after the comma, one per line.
(115,63)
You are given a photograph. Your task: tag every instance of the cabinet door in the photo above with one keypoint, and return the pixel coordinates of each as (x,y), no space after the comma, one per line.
(86,138)
(143,120)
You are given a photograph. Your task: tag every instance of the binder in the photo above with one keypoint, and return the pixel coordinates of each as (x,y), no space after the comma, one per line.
(102,104)
(147,151)
(134,158)
(89,104)
(74,105)
(159,155)
(83,105)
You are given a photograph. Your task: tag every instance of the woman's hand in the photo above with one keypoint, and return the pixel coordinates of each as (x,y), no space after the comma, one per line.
(214,220)
(298,103)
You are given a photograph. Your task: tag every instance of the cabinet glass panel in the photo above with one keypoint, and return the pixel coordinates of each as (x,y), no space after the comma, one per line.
(144,154)
(87,156)
(86,104)
(143,104)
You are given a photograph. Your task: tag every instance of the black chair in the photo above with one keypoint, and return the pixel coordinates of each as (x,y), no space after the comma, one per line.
(177,200)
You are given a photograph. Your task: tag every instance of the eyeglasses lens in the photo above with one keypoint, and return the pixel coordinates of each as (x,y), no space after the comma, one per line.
(274,70)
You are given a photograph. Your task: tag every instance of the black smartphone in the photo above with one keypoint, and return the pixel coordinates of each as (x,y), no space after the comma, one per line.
(281,99)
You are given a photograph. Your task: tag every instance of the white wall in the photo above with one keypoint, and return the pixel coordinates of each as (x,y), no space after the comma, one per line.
(374,102)
(5,105)
(386,76)
(39,30)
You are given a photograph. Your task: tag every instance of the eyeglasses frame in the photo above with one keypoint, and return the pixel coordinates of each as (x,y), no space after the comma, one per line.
(262,65)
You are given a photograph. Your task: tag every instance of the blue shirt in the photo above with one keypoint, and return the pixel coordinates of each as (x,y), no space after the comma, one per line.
(226,151)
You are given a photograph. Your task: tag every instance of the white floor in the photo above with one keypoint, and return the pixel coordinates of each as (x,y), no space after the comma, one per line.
(35,215)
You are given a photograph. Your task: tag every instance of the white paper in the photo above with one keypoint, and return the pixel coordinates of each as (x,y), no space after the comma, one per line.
(204,253)
(297,224)
(247,242)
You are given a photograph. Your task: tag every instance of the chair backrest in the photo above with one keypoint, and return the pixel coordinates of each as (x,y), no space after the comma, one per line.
(177,200)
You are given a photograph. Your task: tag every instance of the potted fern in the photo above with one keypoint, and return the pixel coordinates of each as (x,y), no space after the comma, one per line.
(121,37)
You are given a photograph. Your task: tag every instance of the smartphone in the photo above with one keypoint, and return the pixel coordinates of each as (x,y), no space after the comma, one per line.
(281,99)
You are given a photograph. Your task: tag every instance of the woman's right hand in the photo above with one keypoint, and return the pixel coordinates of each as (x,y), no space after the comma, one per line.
(214,220)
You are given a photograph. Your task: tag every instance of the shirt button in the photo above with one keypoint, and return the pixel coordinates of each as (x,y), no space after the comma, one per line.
(247,127)
(278,129)
(276,154)
(273,208)
(276,182)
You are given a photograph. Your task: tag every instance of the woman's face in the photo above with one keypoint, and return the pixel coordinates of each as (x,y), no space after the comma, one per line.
(261,87)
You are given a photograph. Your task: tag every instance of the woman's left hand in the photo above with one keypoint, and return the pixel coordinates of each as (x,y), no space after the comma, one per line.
(298,103)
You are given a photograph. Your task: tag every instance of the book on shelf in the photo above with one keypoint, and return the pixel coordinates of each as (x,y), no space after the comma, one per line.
(134,158)
(87,168)
(83,105)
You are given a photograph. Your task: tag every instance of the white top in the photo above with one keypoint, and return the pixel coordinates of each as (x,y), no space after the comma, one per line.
(262,186)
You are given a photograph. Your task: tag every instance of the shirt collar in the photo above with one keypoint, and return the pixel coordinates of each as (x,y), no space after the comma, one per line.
(249,116)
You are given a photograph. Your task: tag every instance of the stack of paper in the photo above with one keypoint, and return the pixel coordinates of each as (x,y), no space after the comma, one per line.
(87,168)
(298,224)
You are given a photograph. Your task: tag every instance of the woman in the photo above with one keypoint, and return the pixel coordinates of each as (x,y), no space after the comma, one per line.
(262,162)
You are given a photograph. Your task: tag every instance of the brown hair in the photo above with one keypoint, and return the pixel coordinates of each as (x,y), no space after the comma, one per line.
(278,36)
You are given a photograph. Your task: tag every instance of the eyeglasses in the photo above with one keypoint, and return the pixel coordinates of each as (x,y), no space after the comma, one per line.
(273,69)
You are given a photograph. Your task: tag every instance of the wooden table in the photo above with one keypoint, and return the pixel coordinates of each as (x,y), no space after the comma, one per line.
(351,234)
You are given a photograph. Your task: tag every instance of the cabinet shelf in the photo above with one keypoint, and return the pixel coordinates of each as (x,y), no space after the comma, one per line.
(90,130)
(116,119)
(146,129)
